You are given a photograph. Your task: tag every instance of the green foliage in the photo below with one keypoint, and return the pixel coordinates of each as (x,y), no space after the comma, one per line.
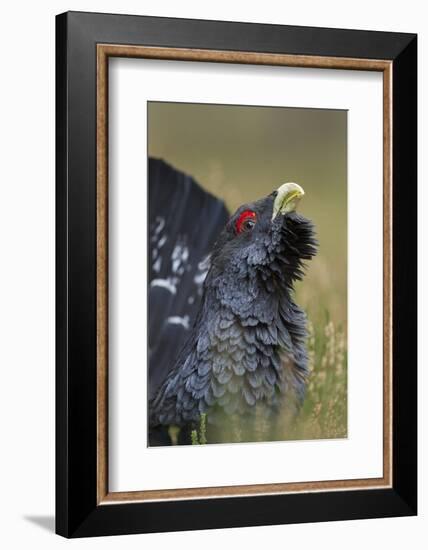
(199,437)
(203,429)
(324,412)
(194,437)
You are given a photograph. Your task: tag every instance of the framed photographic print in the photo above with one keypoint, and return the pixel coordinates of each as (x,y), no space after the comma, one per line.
(236,274)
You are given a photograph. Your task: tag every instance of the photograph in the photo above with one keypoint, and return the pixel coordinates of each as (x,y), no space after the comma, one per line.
(247,273)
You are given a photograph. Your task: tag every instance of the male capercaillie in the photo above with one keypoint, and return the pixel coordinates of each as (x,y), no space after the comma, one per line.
(245,353)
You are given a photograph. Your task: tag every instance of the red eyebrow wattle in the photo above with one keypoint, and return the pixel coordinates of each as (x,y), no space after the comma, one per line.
(242,217)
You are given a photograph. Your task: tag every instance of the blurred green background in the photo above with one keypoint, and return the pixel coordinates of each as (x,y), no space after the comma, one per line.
(242,153)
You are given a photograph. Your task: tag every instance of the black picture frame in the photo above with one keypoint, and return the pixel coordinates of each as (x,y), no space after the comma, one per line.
(77,511)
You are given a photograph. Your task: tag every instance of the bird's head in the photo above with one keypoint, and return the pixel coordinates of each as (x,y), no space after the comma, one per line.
(265,241)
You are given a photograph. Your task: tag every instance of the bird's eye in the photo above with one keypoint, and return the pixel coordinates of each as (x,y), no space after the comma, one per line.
(247,224)
(246,221)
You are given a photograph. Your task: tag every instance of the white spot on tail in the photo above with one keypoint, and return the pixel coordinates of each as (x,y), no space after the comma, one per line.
(179,256)
(168,284)
(176,320)
(162,241)
(200,277)
(160,224)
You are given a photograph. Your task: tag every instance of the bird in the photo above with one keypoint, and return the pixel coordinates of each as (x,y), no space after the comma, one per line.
(245,350)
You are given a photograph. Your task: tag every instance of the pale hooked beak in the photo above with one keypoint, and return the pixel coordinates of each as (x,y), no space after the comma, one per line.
(287,198)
